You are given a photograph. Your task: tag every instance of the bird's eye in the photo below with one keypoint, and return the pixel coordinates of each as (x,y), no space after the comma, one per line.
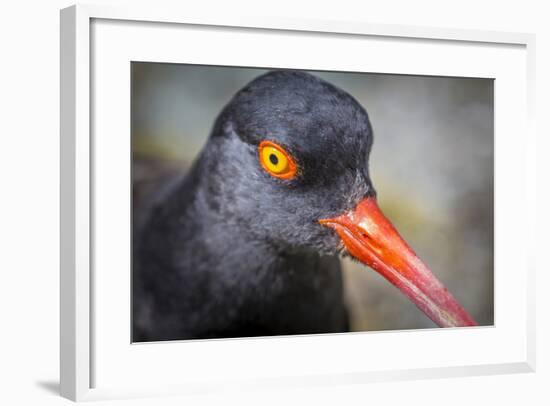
(276,161)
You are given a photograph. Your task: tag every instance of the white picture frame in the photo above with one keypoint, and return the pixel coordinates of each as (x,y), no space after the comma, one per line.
(80,315)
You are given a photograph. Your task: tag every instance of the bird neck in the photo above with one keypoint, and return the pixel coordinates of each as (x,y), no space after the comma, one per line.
(194,228)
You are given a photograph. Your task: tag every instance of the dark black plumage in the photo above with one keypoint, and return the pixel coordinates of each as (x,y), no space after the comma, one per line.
(232,251)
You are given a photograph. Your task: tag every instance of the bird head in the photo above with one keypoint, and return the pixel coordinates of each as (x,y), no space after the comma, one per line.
(289,157)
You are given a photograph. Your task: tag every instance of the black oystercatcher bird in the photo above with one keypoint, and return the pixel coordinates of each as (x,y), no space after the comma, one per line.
(247,243)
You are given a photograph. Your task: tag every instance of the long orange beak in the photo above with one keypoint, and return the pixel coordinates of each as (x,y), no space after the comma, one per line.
(370,237)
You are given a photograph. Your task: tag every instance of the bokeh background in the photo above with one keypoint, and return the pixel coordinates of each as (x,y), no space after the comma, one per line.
(431,163)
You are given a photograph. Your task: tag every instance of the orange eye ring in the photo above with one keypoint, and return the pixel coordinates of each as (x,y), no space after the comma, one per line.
(276,160)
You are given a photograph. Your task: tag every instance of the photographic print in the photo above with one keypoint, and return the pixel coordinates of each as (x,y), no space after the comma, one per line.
(272,202)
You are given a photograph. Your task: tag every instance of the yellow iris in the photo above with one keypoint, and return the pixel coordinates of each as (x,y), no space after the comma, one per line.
(276,161)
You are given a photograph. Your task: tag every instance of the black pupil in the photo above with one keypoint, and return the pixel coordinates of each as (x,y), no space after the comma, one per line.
(273,158)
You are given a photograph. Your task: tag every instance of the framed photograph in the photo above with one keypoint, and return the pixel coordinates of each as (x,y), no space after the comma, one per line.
(264,203)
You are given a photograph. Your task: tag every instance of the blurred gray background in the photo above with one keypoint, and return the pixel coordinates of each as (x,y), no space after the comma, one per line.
(431,163)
